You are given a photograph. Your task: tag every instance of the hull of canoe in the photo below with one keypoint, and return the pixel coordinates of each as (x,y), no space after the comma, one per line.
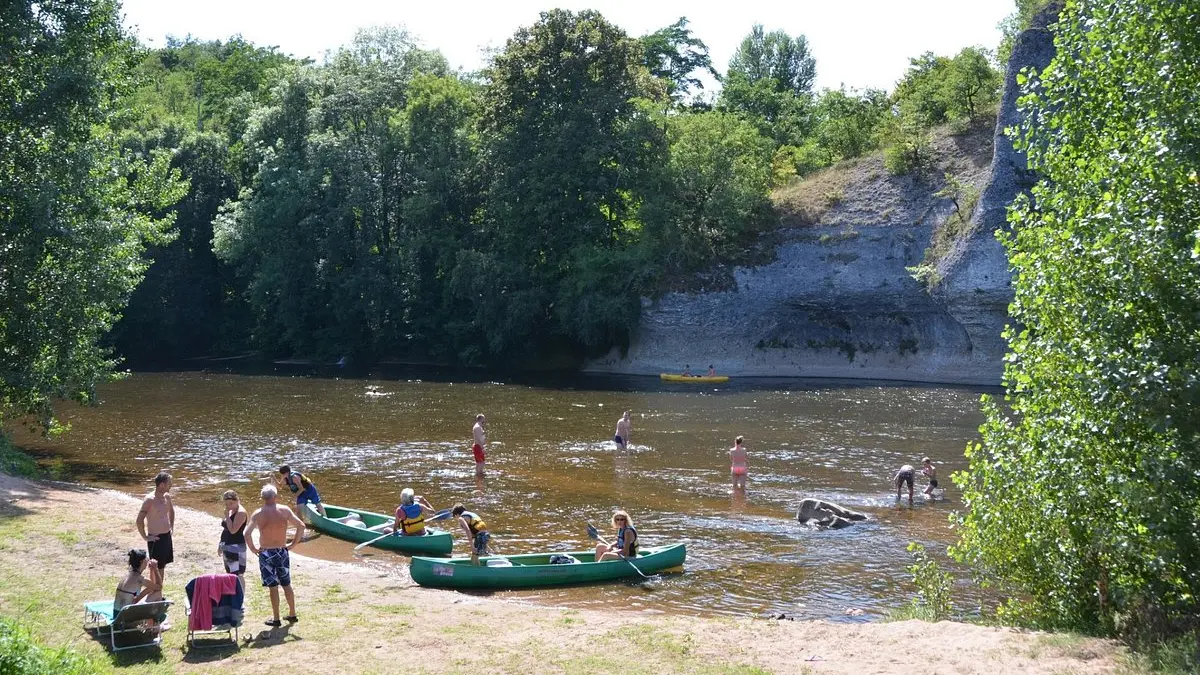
(535,570)
(701,379)
(438,542)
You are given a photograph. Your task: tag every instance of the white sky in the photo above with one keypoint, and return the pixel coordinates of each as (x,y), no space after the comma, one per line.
(856,42)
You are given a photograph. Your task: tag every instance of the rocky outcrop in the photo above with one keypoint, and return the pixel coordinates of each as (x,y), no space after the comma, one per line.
(976,286)
(838,302)
(822,515)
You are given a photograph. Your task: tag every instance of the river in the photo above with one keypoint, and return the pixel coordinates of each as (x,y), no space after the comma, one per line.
(552,467)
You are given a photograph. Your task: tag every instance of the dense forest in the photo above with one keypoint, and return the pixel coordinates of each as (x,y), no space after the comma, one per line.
(380,206)
(215,197)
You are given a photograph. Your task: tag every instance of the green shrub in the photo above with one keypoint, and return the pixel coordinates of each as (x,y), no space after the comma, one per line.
(14,462)
(20,654)
(932,601)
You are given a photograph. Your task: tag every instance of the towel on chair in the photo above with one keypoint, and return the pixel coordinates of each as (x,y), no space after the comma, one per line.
(206,593)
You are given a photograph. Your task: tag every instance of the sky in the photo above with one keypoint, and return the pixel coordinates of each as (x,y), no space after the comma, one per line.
(858,43)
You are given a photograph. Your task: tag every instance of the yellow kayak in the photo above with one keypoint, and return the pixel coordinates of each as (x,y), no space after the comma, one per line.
(697,379)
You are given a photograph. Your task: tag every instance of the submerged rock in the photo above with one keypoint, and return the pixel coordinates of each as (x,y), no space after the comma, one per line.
(822,515)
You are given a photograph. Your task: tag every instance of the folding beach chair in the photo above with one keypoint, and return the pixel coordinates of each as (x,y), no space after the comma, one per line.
(226,615)
(126,626)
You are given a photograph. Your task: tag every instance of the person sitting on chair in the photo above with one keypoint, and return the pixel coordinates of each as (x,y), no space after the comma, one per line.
(135,587)
(626,544)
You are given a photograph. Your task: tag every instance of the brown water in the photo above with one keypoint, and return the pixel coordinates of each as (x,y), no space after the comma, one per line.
(552,467)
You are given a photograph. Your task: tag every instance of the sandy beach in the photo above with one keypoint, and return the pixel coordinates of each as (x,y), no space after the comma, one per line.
(63,544)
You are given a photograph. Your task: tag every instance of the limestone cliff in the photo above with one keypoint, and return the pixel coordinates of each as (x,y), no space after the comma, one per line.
(837,301)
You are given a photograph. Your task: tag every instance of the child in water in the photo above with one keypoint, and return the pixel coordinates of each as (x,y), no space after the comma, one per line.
(737,460)
(930,472)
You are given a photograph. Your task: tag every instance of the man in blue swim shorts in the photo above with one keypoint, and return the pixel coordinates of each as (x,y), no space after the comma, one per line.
(274,563)
(302,487)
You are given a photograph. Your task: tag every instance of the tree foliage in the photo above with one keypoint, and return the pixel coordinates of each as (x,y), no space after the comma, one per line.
(1084,496)
(73,207)
(676,56)
(769,82)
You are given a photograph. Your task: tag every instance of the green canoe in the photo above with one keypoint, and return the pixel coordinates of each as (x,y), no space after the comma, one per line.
(436,542)
(530,571)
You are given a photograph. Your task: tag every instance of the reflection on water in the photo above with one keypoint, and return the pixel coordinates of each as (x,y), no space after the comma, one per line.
(552,467)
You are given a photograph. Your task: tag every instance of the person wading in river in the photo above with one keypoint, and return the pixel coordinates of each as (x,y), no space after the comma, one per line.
(624,427)
(479,433)
(156,521)
(274,564)
(302,487)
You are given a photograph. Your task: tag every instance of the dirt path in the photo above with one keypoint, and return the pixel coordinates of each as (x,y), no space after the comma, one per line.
(63,544)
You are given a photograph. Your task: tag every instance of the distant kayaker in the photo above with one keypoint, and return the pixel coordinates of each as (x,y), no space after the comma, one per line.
(930,472)
(156,521)
(904,475)
(410,515)
(476,531)
(274,564)
(737,461)
(624,427)
(304,489)
(479,432)
(626,544)
(712,372)
(687,371)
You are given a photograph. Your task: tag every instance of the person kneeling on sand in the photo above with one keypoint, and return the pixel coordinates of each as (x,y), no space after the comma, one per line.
(274,564)
(476,530)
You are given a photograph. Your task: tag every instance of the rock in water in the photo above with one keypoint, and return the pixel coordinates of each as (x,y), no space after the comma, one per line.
(822,515)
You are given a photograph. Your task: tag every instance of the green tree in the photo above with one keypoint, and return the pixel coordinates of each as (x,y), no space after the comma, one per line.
(972,84)
(848,122)
(675,55)
(769,81)
(73,207)
(1084,494)
(921,93)
(567,148)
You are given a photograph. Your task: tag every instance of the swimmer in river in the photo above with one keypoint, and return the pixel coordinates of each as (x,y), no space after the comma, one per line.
(479,433)
(737,460)
(904,475)
(624,427)
(930,472)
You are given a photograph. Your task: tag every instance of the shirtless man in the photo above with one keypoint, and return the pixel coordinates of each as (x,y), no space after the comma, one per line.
(624,426)
(274,563)
(904,475)
(480,442)
(156,521)
(930,472)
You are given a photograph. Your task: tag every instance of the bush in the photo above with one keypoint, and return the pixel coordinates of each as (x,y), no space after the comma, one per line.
(932,602)
(20,654)
(14,462)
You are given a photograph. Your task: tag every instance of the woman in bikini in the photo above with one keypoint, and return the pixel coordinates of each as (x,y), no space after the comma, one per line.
(135,587)
(737,461)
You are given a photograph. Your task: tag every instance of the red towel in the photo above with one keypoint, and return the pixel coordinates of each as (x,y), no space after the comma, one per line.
(205,595)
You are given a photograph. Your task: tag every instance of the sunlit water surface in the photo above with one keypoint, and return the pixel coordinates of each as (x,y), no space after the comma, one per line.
(552,467)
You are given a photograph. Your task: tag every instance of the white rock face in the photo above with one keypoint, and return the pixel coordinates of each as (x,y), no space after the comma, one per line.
(837,301)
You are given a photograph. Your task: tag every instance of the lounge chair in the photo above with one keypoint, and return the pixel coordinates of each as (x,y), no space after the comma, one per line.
(128,622)
(226,613)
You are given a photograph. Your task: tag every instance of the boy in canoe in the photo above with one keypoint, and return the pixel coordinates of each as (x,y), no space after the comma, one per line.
(302,487)
(476,531)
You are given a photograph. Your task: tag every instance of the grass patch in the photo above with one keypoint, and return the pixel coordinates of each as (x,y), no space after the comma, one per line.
(803,202)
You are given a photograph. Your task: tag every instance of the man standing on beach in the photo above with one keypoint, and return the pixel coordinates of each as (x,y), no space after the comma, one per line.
(624,426)
(274,564)
(156,521)
(480,442)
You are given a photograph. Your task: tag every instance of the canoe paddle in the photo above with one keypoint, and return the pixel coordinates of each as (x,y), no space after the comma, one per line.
(440,515)
(594,534)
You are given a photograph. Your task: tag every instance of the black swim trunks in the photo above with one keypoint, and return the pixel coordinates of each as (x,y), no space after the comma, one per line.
(161,550)
(904,477)
(933,483)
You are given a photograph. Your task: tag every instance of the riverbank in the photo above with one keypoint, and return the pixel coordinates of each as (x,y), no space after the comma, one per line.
(61,545)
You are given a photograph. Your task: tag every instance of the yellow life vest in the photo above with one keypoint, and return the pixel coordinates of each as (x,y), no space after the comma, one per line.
(411,521)
(474,522)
